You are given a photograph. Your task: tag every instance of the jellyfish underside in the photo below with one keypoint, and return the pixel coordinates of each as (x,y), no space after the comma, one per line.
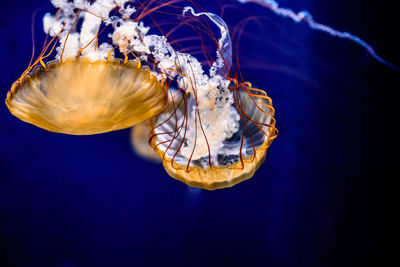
(81,97)
(228,168)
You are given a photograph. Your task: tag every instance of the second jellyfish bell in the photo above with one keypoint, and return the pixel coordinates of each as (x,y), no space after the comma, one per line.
(190,144)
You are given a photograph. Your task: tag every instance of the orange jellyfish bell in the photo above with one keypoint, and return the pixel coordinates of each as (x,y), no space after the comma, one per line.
(238,157)
(81,97)
(140,142)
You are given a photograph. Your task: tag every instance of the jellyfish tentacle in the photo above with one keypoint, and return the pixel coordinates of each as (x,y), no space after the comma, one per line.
(41,56)
(110,53)
(69,32)
(140,65)
(305,16)
(224,54)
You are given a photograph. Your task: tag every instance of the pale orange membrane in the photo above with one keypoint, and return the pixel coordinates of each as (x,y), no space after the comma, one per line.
(140,142)
(82,97)
(227,174)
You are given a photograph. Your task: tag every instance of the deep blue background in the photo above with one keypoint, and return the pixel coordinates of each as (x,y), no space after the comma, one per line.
(320,198)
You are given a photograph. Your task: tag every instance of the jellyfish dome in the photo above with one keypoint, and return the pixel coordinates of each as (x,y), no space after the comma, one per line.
(83,97)
(84,90)
(211,152)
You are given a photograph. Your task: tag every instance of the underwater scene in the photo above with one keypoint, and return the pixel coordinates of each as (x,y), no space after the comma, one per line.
(197,133)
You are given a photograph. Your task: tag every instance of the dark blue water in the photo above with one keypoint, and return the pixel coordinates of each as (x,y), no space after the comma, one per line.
(318,200)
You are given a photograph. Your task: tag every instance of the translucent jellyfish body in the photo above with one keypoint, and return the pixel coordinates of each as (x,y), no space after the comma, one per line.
(81,97)
(140,142)
(195,161)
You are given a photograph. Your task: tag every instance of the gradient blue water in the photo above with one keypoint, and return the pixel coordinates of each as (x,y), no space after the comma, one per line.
(316,201)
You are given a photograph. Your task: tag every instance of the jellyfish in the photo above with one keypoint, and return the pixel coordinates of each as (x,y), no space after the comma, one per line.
(136,73)
(85,90)
(219,156)
(139,141)
(215,137)
(82,97)
(217,128)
